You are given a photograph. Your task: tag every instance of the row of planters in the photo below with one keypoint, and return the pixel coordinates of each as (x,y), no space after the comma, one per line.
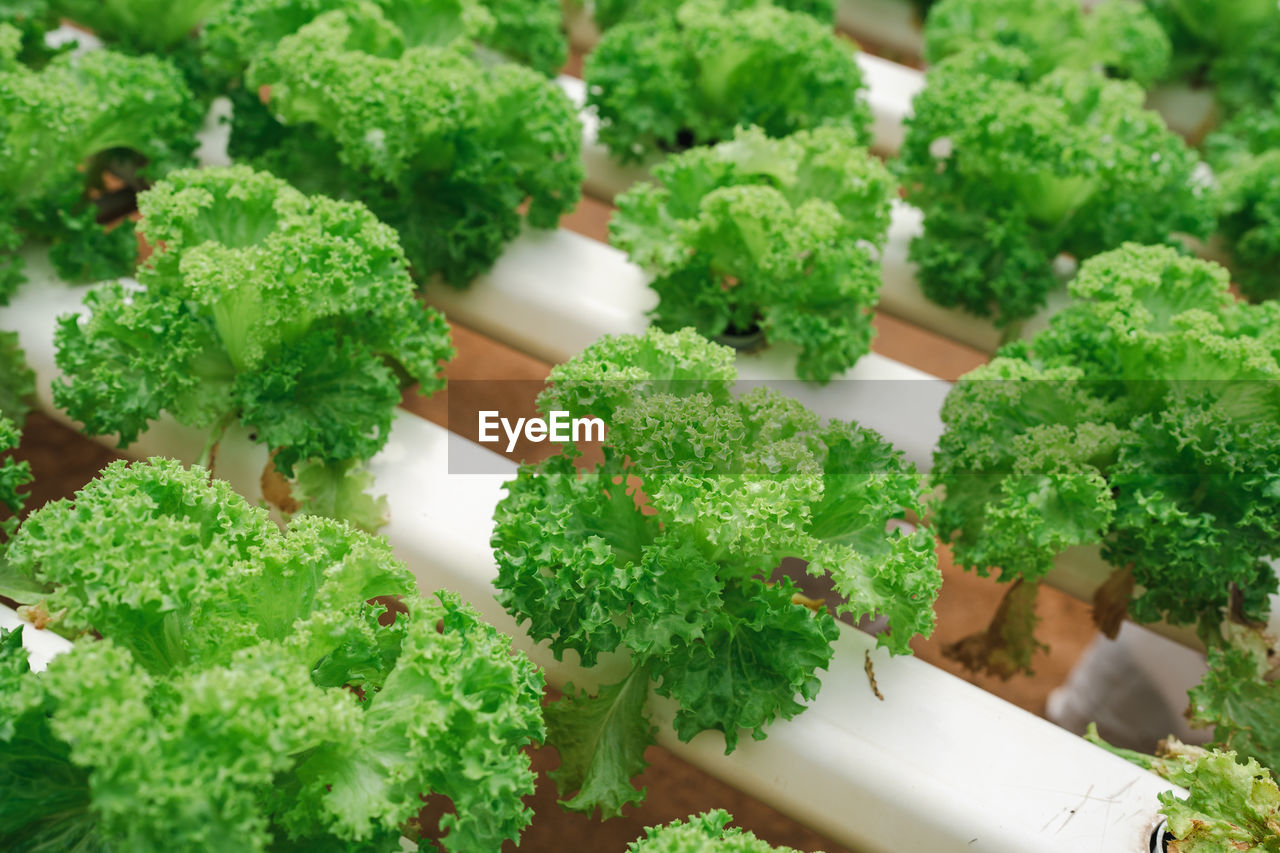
(1021,150)
(1029,144)
(294,314)
(594,572)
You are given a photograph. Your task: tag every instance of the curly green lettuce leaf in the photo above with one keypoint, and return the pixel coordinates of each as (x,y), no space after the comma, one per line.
(666,83)
(1230,804)
(601,740)
(294,315)
(1012,170)
(705,832)
(1240,704)
(454,154)
(486,705)
(663,552)
(553,569)
(340,490)
(754,662)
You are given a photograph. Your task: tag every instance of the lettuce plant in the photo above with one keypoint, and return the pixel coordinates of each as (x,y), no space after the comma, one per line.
(777,235)
(1145,420)
(239,690)
(64,128)
(454,153)
(670,82)
(292,314)
(1012,170)
(663,553)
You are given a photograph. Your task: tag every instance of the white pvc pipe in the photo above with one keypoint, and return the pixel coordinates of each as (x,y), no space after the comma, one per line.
(554,292)
(939,764)
(41,646)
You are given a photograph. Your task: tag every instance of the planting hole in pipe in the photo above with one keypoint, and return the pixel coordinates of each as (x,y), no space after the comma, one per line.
(1160,838)
(750,340)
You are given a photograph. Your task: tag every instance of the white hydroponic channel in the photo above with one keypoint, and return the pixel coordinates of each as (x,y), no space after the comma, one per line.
(889,90)
(938,765)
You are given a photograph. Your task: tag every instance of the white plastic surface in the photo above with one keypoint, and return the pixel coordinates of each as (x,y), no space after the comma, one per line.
(553,293)
(42,646)
(938,765)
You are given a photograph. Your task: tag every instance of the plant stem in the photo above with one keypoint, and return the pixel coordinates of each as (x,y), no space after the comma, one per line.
(1012,332)
(209,455)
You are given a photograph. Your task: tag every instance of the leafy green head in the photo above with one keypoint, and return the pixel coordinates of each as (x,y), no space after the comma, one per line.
(293,314)
(65,128)
(1011,171)
(779,235)
(664,553)
(248,677)
(670,82)
(1143,420)
(452,152)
